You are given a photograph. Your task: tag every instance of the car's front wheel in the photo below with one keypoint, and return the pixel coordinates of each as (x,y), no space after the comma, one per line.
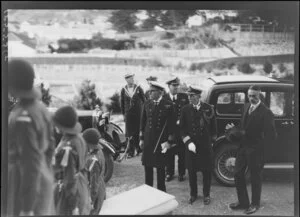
(109,165)
(224,163)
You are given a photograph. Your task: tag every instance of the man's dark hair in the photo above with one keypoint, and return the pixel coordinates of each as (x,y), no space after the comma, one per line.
(255,87)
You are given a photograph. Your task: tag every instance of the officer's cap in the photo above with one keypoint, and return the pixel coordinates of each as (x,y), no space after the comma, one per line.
(193,90)
(156,86)
(173,81)
(151,78)
(128,75)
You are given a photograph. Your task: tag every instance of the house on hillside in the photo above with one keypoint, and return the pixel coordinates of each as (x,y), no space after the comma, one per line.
(16,47)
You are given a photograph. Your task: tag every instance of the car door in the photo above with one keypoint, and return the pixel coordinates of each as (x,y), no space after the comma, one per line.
(281,103)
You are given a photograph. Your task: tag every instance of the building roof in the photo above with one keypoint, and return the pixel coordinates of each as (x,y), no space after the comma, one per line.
(242,79)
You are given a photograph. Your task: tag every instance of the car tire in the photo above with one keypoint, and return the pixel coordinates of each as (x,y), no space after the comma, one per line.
(109,166)
(224,162)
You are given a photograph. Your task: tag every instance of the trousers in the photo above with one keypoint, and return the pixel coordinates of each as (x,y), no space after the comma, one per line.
(193,182)
(160,177)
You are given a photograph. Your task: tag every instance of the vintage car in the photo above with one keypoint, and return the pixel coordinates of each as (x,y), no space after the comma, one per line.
(228,94)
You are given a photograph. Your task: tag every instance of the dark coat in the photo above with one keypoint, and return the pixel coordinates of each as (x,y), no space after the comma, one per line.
(31,145)
(180,102)
(131,109)
(198,127)
(152,122)
(259,128)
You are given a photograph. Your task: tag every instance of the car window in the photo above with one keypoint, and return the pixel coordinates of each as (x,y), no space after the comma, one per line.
(278,103)
(230,103)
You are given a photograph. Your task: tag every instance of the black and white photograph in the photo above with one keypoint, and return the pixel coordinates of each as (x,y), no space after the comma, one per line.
(150,110)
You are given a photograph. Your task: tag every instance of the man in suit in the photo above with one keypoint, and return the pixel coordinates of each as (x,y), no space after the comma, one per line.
(179,100)
(258,127)
(198,130)
(149,79)
(132,99)
(156,135)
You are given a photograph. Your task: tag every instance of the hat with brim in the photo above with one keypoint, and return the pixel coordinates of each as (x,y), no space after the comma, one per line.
(128,75)
(34,93)
(193,91)
(151,78)
(173,81)
(66,119)
(156,86)
(234,134)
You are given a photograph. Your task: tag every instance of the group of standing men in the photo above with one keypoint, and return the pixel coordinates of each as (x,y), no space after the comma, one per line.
(163,124)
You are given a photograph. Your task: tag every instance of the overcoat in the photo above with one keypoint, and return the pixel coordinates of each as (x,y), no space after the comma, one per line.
(178,104)
(131,107)
(154,118)
(198,126)
(259,128)
(31,145)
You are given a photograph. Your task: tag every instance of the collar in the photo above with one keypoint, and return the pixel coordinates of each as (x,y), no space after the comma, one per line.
(256,105)
(157,101)
(197,106)
(171,96)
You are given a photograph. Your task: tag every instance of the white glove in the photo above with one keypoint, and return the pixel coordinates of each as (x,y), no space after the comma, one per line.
(192,147)
(102,122)
(75,211)
(229,126)
(165,146)
(141,144)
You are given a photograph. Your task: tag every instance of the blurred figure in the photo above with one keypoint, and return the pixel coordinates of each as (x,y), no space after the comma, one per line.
(95,166)
(149,79)
(30,146)
(96,115)
(179,100)
(132,99)
(71,193)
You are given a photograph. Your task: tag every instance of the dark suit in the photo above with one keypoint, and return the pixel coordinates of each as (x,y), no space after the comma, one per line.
(181,100)
(131,109)
(198,126)
(154,118)
(259,129)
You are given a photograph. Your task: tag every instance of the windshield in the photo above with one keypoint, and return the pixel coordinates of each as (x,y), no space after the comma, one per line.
(205,86)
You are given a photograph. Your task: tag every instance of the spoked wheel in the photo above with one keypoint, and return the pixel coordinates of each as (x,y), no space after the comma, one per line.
(224,164)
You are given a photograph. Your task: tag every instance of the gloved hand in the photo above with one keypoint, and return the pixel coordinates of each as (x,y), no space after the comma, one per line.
(165,146)
(141,144)
(229,126)
(192,147)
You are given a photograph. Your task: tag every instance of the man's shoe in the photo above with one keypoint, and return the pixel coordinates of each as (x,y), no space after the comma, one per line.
(180,178)
(169,178)
(192,199)
(206,200)
(251,209)
(237,205)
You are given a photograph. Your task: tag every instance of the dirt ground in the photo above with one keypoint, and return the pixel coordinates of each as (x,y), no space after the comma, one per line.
(277,192)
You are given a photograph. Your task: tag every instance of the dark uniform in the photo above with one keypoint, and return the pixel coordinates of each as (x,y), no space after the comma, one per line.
(178,103)
(154,119)
(149,79)
(259,129)
(198,126)
(131,108)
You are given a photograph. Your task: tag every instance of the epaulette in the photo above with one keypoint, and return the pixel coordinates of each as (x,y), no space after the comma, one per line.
(24,117)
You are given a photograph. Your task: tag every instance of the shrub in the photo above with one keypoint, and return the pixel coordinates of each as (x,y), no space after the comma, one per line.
(114,105)
(88,97)
(268,67)
(156,62)
(245,68)
(193,67)
(282,68)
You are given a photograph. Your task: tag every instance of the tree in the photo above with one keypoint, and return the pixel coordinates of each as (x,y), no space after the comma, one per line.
(114,106)
(123,20)
(88,97)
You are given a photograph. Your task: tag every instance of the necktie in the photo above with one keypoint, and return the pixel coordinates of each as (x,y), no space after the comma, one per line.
(251,109)
(174,99)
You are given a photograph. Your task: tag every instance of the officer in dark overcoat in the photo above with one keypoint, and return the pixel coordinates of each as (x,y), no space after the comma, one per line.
(258,128)
(198,129)
(179,100)
(149,79)
(132,99)
(156,135)
(31,145)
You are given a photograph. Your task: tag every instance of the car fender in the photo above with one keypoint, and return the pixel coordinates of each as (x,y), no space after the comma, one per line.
(221,140)
(107,146)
